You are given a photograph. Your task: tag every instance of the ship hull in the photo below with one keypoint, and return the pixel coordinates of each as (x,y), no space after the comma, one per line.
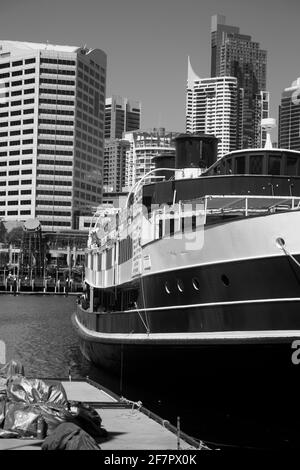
(186,359)
(232,302)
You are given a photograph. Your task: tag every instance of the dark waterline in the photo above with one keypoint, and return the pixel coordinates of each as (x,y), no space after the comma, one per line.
(234,408)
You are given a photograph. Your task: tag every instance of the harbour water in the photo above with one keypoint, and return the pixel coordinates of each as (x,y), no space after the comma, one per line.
(230,408)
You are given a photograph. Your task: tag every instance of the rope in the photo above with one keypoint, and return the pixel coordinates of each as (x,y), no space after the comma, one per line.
(138,404)
(287,253)
(146,325)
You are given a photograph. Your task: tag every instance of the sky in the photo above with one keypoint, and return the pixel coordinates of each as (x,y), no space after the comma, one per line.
(148,42)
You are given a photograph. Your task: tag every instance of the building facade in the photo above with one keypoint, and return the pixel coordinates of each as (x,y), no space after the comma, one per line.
(289,117)
(211,108)
(51,132)
(143,146)
(114,172)
(236,55)
(121,115)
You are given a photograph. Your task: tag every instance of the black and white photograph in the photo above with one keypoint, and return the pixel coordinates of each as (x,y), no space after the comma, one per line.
(149,228)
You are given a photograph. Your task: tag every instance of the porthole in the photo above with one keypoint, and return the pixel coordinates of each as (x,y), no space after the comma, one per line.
(225,280)
(167,288)
(180,285)
(280,242)
(196,283)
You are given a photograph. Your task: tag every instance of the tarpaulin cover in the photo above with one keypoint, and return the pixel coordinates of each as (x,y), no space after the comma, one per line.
(20,389)
(21,418)
(23,401)
(2,410)
(3,386)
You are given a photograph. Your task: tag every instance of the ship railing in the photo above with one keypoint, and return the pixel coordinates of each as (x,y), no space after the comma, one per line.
(247,205)
(210,205)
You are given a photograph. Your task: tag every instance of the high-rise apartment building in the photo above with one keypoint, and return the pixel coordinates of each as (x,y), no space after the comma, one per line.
(289,117)
(235,55)
(211,108)
(51,132)
(114,172)
(144,145)
(121,115)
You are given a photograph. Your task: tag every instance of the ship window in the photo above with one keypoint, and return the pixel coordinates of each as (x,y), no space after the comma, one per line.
(108,258)
(196,283)
(240,165)
(167,288)
(180,285)
(256,164)
(99,256)
(193,223)
(160,228)
(225,280)
(291,165)
(274,165)
(171,226)
(228,166)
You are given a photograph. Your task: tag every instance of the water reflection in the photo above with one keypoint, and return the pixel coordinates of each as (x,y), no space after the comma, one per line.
(248,408)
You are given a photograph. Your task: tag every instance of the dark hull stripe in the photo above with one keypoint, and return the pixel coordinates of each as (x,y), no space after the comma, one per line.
(208,304)
(243,317)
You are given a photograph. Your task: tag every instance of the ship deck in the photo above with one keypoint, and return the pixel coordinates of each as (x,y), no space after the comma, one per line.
(129,425)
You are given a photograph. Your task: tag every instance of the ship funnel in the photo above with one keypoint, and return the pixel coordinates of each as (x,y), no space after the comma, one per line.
(195,151)
(268,124)
(163,161)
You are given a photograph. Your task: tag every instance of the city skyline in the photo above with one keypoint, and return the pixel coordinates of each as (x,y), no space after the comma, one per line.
(147,44)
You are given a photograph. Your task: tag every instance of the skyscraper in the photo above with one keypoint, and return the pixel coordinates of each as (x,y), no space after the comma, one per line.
(51,132)
(211,108)
(114,172)
(289,117)
(236,55)
(121,115)
(144,145)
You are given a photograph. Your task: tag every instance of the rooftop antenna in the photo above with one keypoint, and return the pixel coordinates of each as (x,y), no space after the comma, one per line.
(268,124)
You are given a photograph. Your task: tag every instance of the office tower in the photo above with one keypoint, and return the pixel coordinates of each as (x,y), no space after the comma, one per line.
(289,117)
(144,145)
(114,164)
(235,55)
(262,112)
(121,115)
(211,108)
(51,132)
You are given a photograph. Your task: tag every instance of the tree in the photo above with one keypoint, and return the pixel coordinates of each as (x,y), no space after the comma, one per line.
(3,232)
(14,237)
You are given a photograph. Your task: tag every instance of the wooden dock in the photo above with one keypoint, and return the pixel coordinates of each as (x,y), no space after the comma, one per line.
(129,425)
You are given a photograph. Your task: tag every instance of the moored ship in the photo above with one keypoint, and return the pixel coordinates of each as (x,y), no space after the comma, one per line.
(200,267)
